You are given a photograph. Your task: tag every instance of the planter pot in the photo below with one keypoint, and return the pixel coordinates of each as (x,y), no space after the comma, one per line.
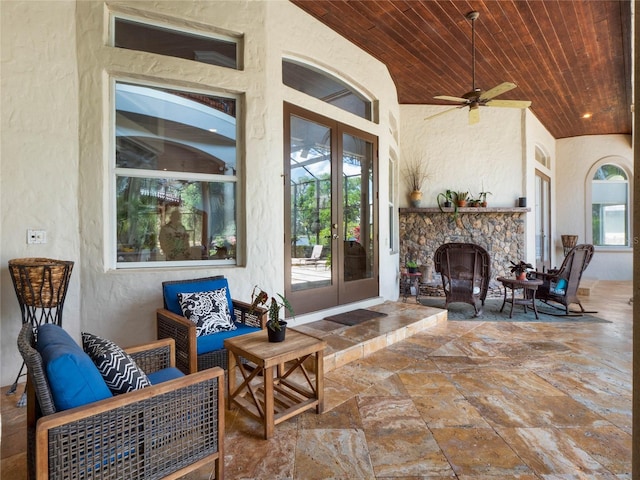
(521,276)
(447,204)
(416,198)
(412,269)
(276,336)
(483,204)
(462,203)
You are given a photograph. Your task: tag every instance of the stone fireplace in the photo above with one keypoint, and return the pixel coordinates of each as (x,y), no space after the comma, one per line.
(501,231)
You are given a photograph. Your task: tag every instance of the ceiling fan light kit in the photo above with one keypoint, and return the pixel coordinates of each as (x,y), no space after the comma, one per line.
(477,97)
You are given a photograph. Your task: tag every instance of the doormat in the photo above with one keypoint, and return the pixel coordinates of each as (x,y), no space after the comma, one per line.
(355,317)
(491,312)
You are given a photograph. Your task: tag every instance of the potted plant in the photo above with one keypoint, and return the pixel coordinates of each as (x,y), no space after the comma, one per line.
(445,200)
(416,173)
(483,198)
(412,266)
(461,198)
(276,328)
(520,269)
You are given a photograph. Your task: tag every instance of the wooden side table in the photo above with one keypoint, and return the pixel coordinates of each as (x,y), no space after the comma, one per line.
(408,280)
(279,397)
(528,287)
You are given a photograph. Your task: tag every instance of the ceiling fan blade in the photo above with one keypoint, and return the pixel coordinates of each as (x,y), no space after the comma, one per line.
(498,90)
(451,99)
(474,115)
(509,103)
(441,113)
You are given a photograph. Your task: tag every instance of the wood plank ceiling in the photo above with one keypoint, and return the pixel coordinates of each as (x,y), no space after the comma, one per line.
(569,58)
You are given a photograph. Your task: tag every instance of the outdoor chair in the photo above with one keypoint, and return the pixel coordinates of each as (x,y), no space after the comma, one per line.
(78,429)
(465,270)
(198,352)
(560,286)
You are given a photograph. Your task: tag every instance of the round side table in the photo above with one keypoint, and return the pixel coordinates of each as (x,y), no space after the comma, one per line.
(528,287)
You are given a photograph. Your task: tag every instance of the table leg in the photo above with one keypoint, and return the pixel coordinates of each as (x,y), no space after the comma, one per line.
(504,301)
(533,300)
(513,300)
(416,285)
(320,381)
(268,402)
(231,376)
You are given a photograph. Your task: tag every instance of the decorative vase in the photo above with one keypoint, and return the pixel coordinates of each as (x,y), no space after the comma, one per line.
(276,336)
(416,198)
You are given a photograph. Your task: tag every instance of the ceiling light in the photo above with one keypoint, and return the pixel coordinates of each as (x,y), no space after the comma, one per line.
(587,115)
(213,130)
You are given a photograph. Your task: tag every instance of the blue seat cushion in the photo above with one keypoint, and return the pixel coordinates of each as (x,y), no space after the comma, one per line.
(215,341)
(164,375)
(170,290)
(73,377)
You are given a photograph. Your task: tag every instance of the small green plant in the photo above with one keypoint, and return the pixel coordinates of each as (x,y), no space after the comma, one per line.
(411,264)
(461,197)
(261,298)
(520,267)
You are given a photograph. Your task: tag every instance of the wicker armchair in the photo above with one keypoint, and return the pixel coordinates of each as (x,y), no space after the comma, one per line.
(162,431)
(465,272)
(560,286)
(171,324)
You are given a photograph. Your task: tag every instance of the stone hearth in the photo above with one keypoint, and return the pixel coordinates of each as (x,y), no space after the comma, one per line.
(501,231)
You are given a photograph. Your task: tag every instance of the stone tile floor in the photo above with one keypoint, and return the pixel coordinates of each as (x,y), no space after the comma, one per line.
(435,399)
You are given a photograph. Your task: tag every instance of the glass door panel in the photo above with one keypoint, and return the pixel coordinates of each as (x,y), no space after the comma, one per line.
(357,207)
(310,205)
(543,222)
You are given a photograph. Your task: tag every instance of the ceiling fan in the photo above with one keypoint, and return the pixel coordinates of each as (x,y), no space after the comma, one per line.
(477,97)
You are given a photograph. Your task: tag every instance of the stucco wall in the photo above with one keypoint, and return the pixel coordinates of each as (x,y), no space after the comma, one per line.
(56,143)
(575,158)
(39,174)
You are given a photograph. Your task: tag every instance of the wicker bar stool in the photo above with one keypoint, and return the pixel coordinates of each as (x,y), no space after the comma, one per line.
(41,287)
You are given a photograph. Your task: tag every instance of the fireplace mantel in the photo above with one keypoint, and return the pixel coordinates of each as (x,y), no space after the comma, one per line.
(467,210)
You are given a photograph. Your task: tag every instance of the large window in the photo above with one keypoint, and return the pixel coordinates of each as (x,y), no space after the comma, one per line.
(609,206)
(175,176)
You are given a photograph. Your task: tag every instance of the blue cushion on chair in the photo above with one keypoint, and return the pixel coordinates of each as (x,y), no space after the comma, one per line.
(172,289)
(73,377)
(164,375)
(215,341)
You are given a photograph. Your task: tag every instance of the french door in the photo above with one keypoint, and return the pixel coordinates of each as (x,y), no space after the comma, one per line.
(543,222)
(331,253)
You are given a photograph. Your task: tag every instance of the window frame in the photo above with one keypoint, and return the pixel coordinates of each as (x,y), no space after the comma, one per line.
(622,164)
(205,31)
(115,171)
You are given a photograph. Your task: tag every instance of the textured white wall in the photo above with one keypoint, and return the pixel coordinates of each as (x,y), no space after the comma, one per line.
(576,156)
(39,150)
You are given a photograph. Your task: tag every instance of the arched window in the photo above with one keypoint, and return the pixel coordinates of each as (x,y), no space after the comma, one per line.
(326,87)
(542,157)
(610,206)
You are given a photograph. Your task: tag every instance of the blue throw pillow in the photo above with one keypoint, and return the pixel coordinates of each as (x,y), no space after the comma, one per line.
(171,290)
(73,378)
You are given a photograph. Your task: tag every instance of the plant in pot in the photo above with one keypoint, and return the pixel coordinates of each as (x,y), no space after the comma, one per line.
(461,198)
(445,200)
(482,196)
(416,173)
(276,328)
(412,266)
(520,269)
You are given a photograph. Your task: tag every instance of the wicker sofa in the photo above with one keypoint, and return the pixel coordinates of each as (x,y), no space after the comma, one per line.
(162,431)
(193,353)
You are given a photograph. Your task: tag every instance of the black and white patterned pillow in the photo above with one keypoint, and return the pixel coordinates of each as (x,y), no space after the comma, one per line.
(208,310)
(119,371)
